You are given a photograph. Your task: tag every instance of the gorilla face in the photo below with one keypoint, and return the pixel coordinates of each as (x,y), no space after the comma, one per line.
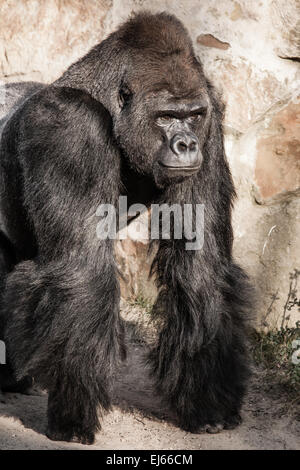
(163,120)
(180,123)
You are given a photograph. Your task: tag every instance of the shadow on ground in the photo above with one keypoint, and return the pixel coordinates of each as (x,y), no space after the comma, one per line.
(268,423)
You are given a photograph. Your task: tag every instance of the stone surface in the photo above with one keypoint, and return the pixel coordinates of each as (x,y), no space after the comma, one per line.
(247,91)
(267,245)
(39,39)
(266,234)
(285,18)
(277,170)
(135,263)
(249,50)
(134,259)
(209,40)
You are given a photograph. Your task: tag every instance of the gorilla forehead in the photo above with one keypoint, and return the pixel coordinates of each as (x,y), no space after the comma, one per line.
(178,75)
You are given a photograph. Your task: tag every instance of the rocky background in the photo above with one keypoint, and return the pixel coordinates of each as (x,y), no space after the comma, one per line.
(250,49)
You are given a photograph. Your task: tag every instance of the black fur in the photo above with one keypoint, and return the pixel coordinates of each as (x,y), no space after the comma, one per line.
(83,141)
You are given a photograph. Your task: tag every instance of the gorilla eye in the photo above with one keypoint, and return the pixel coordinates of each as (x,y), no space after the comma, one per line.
(196,117)
(164,120)
(125,95)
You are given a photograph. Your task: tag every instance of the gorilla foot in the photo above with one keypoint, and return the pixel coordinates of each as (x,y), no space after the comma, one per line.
(233,421)
(203,428)
(84,437)
(230,422)
(211,428)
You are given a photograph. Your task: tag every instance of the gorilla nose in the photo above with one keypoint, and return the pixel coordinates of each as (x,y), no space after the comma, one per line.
(184,143)
(185,153)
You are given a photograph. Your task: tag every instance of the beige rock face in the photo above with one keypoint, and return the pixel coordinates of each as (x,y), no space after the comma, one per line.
(277,170)
(135,259)
(39,39)
(247,90)
(285,18)
(237,42)
(248,50)
(209,40)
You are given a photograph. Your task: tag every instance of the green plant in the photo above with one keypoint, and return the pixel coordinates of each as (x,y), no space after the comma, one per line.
(142,302)
(274,350)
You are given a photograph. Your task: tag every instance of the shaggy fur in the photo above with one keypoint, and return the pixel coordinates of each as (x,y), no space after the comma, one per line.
(82,141)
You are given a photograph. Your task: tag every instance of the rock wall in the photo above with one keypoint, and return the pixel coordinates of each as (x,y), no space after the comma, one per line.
(250,49)
(40,38)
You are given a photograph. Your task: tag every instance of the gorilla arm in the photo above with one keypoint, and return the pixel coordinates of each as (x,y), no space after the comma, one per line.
(200,362)
(62,308)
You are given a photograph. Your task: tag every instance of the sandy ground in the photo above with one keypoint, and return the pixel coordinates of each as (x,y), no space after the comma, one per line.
(268,423)
(269,418)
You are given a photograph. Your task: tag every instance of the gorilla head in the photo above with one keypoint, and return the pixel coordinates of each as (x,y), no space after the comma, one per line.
(155,91)
(164,108)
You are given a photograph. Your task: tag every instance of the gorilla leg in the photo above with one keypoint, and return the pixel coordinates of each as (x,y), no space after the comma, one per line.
(200,362)
(6,263)
(63,328)
(8,382)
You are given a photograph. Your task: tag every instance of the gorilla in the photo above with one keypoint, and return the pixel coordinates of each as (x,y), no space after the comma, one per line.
(134,117)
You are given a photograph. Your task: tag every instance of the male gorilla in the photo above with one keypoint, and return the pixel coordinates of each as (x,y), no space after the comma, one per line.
(137,117)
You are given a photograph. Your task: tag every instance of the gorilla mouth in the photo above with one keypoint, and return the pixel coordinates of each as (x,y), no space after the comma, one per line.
(180,169)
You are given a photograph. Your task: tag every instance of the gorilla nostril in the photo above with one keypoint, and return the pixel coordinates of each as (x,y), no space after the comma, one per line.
(183,143)
(193,146)
(181,146)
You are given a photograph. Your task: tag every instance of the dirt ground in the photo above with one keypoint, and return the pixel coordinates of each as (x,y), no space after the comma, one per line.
(269,416)
(268,423)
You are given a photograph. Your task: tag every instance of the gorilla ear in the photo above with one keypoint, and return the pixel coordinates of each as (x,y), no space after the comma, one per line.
(125,95)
